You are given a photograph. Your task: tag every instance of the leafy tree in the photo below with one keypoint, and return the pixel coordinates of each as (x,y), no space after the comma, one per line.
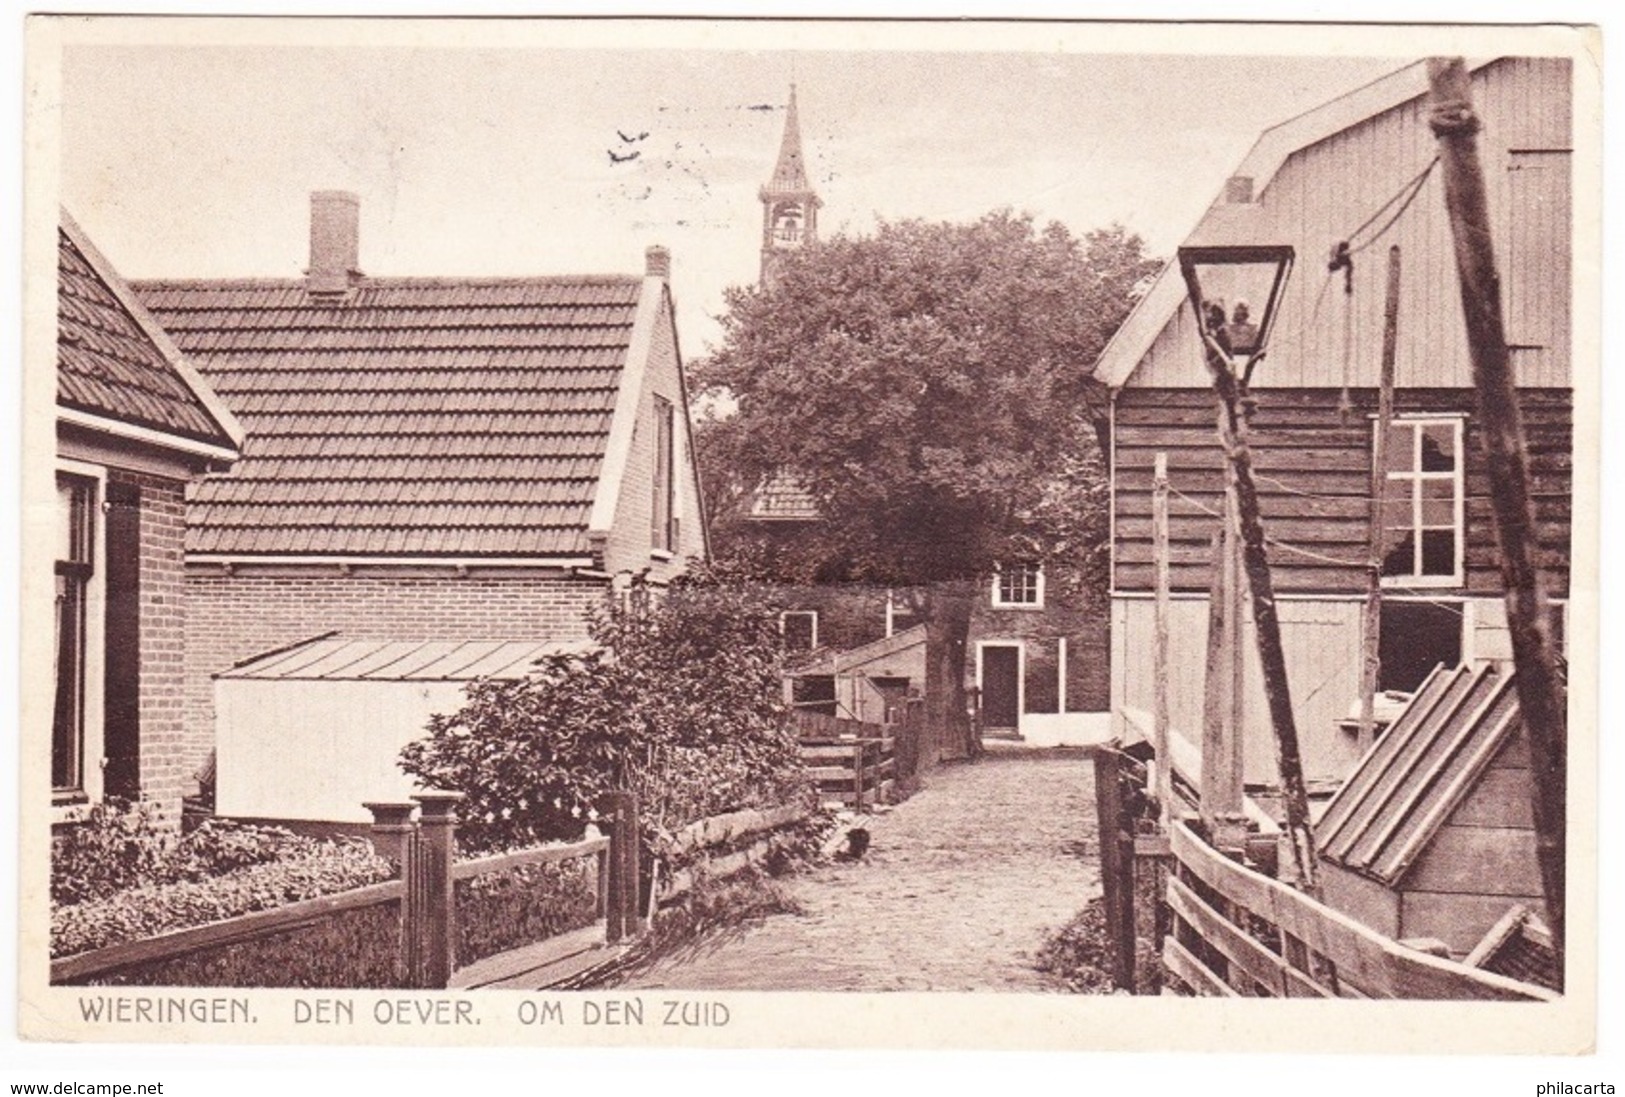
(929,386)
(680,703)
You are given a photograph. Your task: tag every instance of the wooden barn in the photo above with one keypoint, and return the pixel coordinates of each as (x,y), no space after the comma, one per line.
(1432,835)
(1359,171)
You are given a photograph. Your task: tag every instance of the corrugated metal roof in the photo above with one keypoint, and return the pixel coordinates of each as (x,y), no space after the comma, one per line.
(416,416)
(334,659)
(1419,772)
(108,365)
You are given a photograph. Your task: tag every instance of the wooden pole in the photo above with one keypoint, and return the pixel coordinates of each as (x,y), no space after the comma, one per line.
(1371,665)
(1233,428)
(1232,821)
(1159,659)
(1542,696)
(1212,802)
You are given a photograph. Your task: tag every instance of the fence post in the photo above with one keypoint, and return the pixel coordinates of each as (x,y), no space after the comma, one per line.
(430,884)
(1117,894)
(392,829)
(857,775)
(621,915)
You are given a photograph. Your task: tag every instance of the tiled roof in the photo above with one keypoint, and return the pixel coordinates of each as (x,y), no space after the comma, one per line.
(783,497)
(107,364)
(1426,763)
(334,659)
(415,417)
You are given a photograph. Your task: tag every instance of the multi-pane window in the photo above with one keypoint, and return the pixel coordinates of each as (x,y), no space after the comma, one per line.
(1019,585)
(662,533)
(75,567)
(1422,503)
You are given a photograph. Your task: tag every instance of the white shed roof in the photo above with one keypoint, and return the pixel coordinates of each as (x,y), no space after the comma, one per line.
(334,659)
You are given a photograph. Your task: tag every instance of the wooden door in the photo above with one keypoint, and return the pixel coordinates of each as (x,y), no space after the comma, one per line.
(1001,686)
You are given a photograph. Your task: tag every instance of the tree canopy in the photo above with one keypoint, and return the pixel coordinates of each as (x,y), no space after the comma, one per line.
(929,387)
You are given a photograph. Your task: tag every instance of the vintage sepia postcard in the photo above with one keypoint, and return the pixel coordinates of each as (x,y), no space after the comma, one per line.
(701,533)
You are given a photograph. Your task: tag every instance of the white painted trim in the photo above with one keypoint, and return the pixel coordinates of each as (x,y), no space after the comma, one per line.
(1135,337)
(558,562)
(1060,666)
(144,434)
(1021,675)
(1416,477)
(1469,631)
(628,397)
(94,744)
(115,282)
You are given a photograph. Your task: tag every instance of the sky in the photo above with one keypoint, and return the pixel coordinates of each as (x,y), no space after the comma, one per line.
(197,161)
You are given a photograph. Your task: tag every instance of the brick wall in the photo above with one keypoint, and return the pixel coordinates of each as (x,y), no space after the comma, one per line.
(233,617)
(163,772)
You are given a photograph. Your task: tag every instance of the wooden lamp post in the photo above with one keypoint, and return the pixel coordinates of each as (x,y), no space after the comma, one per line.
(1234,291)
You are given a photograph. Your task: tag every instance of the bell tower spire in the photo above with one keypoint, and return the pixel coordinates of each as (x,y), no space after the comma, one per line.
(789,204)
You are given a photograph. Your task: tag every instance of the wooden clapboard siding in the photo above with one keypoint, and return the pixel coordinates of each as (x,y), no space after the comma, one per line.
(1313,470)
(1325,190)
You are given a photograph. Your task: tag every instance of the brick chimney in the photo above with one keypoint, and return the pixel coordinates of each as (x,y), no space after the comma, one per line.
(657,262)
(335,242)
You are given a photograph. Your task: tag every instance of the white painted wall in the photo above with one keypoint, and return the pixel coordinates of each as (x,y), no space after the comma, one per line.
(318,749)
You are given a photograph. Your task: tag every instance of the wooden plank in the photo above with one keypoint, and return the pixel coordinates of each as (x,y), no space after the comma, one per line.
(1460,921)
(1241,950)
(522,966)
(1500,799)
(1376,965)
(230,931)
(826,754)
(541,855)
(1477,861)
(733,826)
(1192,971)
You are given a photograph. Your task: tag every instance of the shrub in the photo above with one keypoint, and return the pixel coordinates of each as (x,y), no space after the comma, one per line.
(353,949)
(118,846)
(497,911)
(681,704)
(151,908)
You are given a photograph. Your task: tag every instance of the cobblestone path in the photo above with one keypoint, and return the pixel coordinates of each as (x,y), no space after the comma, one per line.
(961,885)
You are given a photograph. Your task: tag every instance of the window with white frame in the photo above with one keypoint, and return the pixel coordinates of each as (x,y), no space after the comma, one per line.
(799,627)
(1020,585)
(1422,503)
(75,577)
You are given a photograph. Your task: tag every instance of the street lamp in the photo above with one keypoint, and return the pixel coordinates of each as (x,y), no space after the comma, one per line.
(1234,291)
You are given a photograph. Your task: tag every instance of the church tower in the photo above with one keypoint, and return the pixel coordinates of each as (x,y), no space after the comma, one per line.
(789,205)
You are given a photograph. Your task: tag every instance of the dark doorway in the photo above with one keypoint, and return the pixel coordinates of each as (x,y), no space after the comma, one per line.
(1001,687)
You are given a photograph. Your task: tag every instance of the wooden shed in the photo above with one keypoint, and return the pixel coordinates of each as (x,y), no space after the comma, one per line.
(1432,836)
(312,731)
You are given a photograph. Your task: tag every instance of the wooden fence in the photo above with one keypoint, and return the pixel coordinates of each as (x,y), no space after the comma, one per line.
(1237,932)
(425,894)
(852,762)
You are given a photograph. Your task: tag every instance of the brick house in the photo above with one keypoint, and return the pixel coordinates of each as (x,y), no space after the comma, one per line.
(428,459)
(1307,183)
(135,426)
